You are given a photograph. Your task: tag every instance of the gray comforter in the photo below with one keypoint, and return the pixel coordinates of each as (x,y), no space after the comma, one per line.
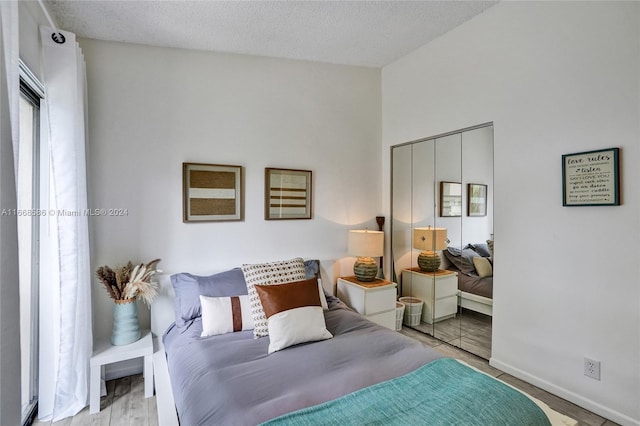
(482,286)
(230,379)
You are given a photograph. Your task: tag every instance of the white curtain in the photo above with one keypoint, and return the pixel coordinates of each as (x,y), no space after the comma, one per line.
(9,285)
(11,53)
(65,298)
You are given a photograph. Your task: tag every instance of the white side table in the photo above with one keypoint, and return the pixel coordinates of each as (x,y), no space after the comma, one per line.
(105,353)
(375,300)
(438,290)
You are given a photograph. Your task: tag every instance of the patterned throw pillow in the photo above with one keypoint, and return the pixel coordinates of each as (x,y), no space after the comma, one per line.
(285,271)
(490,244)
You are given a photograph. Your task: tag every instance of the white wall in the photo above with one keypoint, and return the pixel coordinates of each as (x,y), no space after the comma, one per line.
(555,78)
(151,109)
(31,17)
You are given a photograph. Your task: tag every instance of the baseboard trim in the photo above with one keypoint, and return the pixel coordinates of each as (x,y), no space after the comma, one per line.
(565,393)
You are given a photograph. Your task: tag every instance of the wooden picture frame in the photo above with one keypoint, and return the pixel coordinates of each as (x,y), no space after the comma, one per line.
(211,192)
(450,199)
(287,194)
(591,178)
(476,199)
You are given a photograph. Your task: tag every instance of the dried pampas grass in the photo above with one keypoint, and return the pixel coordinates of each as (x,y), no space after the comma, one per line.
(129,281)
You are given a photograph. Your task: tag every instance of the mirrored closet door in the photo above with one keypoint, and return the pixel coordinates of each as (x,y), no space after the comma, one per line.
(442,235)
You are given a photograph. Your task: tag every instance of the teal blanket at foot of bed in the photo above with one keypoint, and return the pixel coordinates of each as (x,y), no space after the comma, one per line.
(443,392)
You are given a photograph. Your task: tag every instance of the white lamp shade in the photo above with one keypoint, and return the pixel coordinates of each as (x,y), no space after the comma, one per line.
(365,243)
(430,238)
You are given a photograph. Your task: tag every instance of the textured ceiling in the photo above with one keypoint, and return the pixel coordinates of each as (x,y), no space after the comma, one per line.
(366,33)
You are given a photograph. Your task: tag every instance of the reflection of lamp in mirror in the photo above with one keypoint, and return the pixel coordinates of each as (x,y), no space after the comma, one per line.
(429,240)
(365,245)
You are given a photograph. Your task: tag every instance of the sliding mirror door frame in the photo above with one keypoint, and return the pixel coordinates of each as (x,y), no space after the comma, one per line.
(448,161)
(477,165)
(416,175)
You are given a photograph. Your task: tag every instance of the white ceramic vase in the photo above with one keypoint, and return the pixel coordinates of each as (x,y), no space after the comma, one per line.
(125,322)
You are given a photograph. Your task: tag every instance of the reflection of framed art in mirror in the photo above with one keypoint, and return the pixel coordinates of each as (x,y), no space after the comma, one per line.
(476,199)
(450,199)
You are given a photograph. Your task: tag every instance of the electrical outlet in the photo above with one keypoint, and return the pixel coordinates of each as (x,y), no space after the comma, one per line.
(592,368)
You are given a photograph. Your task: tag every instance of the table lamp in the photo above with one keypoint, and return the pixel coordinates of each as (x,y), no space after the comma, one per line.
(429,240)
(365,245)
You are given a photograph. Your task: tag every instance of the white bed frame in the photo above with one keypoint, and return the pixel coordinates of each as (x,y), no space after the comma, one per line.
(162,315)
(481,304)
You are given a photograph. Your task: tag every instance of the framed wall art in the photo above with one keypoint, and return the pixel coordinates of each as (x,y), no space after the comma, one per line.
(591,178)
(450,199)
(476,199)
(211,192)
(287,194)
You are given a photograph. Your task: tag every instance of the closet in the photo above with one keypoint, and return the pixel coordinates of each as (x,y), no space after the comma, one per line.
(442,212)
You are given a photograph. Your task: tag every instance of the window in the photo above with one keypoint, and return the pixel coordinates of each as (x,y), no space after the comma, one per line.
(28,243)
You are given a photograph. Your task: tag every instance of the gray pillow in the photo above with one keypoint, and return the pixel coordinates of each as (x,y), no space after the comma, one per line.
(455,251)
(189,288)
(482,249)
(461,259)
(312,268)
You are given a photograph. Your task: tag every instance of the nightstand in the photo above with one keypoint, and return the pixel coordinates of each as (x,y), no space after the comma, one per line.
(105,353)
(375,300)
(438,290)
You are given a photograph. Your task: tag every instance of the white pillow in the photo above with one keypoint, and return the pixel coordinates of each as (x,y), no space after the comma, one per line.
(295,326)
(483,266)
(218,314)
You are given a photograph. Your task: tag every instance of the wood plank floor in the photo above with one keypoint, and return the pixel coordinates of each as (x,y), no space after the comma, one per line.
(125,403)
(470,331)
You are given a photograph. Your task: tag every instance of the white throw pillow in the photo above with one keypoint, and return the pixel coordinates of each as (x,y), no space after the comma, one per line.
(296,326)
(218,315)
(483,266)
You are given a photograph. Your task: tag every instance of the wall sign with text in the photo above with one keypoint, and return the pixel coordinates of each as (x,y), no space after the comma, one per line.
(591,178)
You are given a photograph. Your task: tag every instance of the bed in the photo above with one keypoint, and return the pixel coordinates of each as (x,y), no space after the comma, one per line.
(475,278)
(365,373)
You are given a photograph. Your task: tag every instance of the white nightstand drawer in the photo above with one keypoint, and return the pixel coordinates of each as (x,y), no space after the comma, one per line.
(446,307)
(380,300)
(446,286)
(438,290)
(375,300)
